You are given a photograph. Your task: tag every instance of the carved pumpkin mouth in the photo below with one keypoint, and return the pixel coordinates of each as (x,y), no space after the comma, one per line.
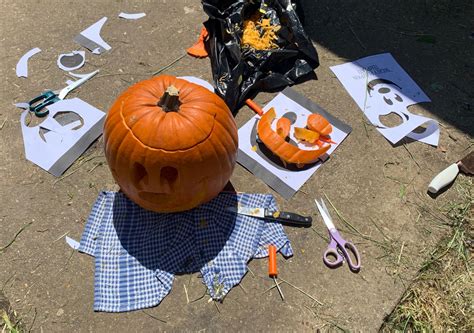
(151,196)
(194,194)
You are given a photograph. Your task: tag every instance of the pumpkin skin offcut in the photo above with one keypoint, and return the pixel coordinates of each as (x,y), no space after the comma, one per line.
(173,157)
(285,151)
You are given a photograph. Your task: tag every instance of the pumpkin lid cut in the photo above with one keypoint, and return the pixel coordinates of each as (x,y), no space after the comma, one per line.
(170,114)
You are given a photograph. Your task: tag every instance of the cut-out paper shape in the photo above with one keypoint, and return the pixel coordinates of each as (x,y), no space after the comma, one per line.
(80,76)
(380,86)
(22,65)
(90,38)
(255,157)
(74,244)
(134,16)
(71,61)
(70,127)
(198,81)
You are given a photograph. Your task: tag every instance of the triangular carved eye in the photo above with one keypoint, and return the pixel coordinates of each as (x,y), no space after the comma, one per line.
(139,174)
(168,175)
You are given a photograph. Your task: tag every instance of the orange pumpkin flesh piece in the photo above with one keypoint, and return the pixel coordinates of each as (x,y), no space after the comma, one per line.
(283,127)
(284,150)
(306,135)
(172,157)
(319,124)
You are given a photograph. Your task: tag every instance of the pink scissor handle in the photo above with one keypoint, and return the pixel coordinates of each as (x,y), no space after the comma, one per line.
(332,258)
(336,245)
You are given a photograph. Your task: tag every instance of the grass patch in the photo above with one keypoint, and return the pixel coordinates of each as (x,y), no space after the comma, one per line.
(440,298)
(8,321)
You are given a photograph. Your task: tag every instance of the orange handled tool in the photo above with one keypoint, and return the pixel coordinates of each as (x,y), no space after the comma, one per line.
(254,106)
(272,267)
(272,261)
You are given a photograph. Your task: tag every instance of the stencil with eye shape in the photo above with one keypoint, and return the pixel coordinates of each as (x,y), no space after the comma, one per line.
(388,100)
(67,117)
(291,116)
(63,118)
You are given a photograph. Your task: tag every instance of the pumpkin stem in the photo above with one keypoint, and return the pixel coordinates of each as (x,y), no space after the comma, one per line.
(169,102)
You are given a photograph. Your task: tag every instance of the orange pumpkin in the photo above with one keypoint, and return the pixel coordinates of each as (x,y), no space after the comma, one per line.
(283,127)
(319,124)
(171,145)
(287,152)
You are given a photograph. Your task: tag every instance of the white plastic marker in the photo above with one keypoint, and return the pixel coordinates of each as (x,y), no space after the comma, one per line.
(446,176)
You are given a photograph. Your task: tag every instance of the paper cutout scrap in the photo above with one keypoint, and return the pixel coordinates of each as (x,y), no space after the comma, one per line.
(54,145)
(90,38)
(255,157)
(380,86)
(198,81)
(80,76)
(22,65)
(74,244)
(71,61)
(134,16)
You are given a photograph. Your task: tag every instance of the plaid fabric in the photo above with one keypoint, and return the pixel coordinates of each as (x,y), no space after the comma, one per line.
(138,252)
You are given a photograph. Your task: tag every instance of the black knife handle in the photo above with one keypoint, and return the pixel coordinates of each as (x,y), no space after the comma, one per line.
(288,218)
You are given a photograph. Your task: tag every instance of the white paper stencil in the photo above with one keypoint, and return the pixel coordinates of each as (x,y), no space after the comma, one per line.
(54,146)
(263,164)
(380,87)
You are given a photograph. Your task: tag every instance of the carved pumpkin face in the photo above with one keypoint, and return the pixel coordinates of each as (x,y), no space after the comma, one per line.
(171,145)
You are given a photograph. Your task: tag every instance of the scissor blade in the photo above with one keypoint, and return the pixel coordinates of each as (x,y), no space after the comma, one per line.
(62,94)
(324,207)
(326,218)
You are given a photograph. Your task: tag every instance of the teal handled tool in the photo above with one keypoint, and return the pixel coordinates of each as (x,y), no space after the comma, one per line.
(38,104)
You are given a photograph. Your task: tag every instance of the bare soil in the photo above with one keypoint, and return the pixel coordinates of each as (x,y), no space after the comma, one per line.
(379,188)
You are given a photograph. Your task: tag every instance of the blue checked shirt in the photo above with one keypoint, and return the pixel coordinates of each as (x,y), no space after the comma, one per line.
(138,252)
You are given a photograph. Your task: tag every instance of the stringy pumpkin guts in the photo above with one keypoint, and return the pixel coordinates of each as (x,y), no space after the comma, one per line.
(259,34)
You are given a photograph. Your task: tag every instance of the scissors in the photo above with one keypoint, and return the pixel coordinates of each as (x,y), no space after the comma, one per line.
(38,104)
(338,247)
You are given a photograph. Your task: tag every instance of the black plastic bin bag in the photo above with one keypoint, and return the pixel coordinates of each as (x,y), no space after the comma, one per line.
(241,72)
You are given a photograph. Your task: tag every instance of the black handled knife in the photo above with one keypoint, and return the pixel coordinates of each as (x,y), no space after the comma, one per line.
(287,218)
